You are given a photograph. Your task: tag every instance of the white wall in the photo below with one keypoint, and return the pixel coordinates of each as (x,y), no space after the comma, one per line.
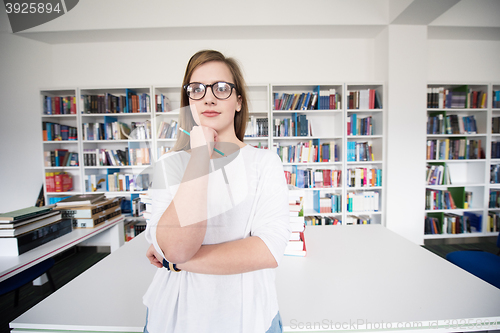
(264,61)
(26,65)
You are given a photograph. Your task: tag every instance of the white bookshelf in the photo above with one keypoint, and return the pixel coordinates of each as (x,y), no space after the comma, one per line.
(328,126)
(473,175)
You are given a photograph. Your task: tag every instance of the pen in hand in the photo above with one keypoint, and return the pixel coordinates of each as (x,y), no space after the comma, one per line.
(186,132)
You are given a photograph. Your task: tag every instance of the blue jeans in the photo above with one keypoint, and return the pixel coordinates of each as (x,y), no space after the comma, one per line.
(276,325)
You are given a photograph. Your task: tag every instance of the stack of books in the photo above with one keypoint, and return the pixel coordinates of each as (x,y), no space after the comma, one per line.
(89,210)
(25,229)
(296,245)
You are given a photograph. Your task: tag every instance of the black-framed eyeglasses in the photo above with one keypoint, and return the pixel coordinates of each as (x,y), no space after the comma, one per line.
(221,90)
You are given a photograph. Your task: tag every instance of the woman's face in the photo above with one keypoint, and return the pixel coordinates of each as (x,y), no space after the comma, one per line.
(211,111)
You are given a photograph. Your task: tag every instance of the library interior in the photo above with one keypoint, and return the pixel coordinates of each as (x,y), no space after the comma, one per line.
(384,114)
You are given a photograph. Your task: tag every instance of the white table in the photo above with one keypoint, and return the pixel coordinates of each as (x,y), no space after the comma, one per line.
(350,274)
(111,233)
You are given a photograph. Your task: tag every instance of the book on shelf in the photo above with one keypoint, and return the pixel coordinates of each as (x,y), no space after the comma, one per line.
(364,177)
(322,220)
(130,102)
(495,174)
(163,103)
(308,152)
(440,123)
(455,149)
(296,243)
(257,127)
(496,99)
(363,99)
(297,125)
(80,200)
(13,246)
(313,178)
(133,229)
(493,222)
(60,158)
(116,182)
(327,202)
(359,219)
(438,174)
(112,129)
(21,227)
(494,200)
(453,198)
(359,125)
(363,201)
(57,132)
(461,97)
(54,105)
(117,157)
(168,130)
(58,182)
(359,151)
(24,214)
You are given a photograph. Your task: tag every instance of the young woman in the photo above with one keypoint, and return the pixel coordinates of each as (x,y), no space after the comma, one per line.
(220,222)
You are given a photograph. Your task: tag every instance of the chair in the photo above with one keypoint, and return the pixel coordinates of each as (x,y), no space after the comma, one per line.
(484,265)
(17,281)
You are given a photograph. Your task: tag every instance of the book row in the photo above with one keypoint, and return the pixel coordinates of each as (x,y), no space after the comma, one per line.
(167,130)
(131,102)
(327,202)
(495,125)
(449,223)
(496,99)
(454,149)
(493,222)
(322,220)
(459,97)
(319,99)
(115,130)
(495,174)
(58,132)
(58,182)
(309,178)
(297,125)
(59,105)
(308,152)
(363,99)
(116,182)
(445,199)
(118,157)
(359,126)
(438,174)
(364,177)
(363,201)
(359,151)
(60,158)
(163,103)
(494,200)
(451,124)
(257,127)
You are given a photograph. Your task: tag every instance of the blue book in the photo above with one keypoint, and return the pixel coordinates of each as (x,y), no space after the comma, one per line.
(316,201)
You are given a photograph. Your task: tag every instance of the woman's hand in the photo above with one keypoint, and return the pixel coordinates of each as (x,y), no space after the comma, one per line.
(203,136)
(154,257)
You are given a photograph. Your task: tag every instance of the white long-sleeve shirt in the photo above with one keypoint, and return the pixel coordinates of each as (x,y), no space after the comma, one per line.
(255,203)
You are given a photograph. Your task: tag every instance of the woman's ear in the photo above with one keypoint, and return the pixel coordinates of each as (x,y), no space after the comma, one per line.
(238,107)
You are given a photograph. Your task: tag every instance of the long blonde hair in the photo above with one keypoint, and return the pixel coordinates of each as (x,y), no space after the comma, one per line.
(186,120)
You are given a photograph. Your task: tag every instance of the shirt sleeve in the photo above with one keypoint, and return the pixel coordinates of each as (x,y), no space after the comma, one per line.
(271,221)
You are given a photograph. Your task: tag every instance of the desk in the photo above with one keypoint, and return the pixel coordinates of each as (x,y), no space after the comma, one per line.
(350,273)
(111,233)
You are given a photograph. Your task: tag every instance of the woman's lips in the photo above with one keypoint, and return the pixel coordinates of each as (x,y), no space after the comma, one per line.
(210,113)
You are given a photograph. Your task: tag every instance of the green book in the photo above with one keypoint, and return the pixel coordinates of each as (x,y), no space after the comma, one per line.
(24,213)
